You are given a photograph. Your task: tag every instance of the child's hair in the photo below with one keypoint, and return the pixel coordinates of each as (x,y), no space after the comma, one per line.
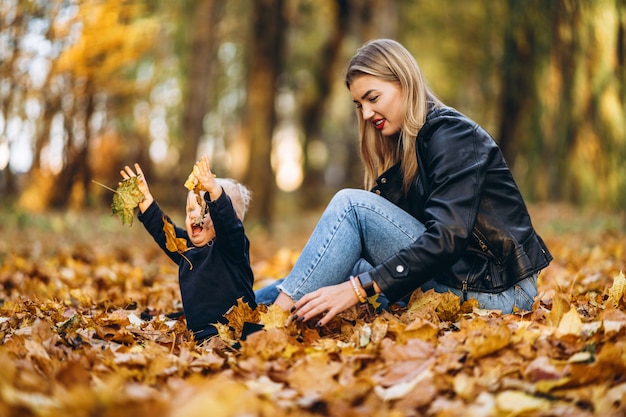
(239,194)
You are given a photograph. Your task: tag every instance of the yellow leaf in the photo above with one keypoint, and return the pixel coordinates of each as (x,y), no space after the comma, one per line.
(274,318)
(489,341)
(225,333)
(432,305)
(267,345)
(191,182)
(516,403)
(570,323)
(559,306)
(173,243)
(240,314)
(617,290)
(126,198)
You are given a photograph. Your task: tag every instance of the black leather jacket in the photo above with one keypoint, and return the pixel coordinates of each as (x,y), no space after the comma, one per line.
(479,236)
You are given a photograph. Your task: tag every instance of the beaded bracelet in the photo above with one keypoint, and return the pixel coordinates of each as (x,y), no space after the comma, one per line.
(356,290)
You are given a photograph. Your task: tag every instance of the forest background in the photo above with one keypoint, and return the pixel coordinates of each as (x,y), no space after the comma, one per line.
(89,86)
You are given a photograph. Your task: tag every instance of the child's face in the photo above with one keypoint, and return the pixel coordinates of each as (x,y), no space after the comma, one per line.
(198,224)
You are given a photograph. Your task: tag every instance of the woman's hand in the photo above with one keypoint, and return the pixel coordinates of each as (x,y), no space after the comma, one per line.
(142,184)
(329,301)
(202,172)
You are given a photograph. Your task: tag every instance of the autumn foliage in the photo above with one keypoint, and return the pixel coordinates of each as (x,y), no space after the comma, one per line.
(89,326)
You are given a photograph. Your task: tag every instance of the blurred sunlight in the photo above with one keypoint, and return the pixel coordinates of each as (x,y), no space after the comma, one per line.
(287,158)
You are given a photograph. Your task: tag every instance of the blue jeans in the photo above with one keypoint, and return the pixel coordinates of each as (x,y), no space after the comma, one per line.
(359,229)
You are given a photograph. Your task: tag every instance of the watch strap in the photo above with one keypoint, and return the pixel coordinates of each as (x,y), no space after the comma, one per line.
(367,283)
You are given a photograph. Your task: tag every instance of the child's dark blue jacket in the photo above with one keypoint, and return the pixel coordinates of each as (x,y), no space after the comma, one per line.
(221,271)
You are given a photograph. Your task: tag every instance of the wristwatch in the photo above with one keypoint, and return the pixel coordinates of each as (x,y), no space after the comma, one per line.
(367,284)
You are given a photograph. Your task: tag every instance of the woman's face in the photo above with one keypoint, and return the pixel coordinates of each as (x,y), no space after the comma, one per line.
(380,103)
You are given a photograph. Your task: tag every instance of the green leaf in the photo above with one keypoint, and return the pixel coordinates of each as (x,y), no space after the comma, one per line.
(126,198)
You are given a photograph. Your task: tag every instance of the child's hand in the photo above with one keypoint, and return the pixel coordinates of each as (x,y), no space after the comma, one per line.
(202,172)
(142,184)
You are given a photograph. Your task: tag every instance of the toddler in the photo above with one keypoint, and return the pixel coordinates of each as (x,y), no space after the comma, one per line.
(215,269)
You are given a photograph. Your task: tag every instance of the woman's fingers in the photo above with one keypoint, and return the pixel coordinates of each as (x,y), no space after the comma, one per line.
(326,301)
(315,304)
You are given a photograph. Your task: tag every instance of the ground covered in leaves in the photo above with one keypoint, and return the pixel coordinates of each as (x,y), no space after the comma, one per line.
(88,328)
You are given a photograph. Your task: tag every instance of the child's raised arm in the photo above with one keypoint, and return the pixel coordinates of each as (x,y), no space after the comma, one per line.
(202,172)
(142,184)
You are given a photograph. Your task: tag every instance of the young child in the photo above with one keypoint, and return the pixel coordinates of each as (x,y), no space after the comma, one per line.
(215,271)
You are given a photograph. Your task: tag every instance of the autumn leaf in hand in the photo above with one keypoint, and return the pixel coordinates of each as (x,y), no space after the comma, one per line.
(192,183)
(173,243)
(126,198)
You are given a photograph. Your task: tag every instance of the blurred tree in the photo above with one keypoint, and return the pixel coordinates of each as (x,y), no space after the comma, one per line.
(322,68)
(563,100)
(198,76)
(518,67)
(84,78)
(95,43)
(14,22)
(114,35)
(324,35)
(264,65)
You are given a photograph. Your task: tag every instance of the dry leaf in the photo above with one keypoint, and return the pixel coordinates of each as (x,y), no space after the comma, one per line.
(515,403)
(86,331)
(489,341)
(274,317)
(125,199)
(240,314)
(570,324)
(173,243)
(617,291)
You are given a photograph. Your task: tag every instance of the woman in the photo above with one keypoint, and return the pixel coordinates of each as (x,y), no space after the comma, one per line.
(443,211)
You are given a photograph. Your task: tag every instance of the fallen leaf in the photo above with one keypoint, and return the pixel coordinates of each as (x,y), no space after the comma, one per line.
(570,324)
(402,388)
(617,291)
(489,341)
(516,403)
(125,199)
(274,317)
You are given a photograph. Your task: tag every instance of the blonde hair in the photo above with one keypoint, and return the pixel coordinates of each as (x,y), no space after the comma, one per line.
(390,61)
(239,194)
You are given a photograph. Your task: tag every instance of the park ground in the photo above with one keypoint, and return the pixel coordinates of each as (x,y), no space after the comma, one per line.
(84,330)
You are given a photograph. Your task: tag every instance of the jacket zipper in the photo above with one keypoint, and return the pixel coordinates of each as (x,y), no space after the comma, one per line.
(485,248)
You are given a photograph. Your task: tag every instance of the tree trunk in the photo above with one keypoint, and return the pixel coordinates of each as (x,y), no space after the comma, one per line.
(312,112)
(265,63)
(76,170)
(518,64)
(206,17)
